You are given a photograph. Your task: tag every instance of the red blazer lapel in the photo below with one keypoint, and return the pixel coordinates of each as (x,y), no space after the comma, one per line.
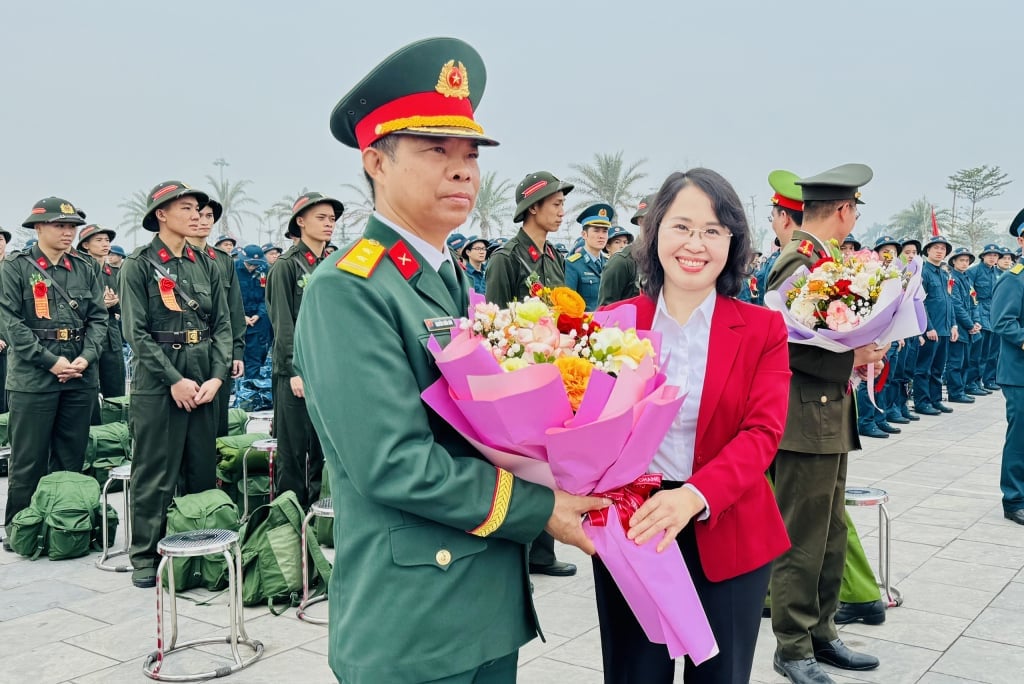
(727,325)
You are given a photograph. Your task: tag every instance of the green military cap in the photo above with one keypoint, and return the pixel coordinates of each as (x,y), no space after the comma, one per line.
(166,192)
(642,208)
(536,187)
(53,210)
(842,182)
(431,87)
(306,201)
(1017,224)
(788,194)
(93,229)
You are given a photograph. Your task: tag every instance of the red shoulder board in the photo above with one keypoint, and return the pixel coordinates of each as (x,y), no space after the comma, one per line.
(190,254)
(310,258)
(211,252)
(43,263)
(806,247)
(67,263)
(534,254)
(106,269)
(404,260)
(164,255)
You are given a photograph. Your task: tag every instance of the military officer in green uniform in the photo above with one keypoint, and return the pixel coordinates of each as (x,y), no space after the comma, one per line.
(94,241)
(55,325)
(583,270)
(540,206)
(810,467)
(209,214)
(430,535)
(620,280)
(299,463)
(175,317)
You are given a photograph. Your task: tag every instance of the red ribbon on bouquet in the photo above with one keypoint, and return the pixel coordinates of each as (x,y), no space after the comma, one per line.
(626,499)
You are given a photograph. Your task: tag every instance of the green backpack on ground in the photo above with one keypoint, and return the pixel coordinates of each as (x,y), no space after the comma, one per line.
(272,554)
(324,526)
(231,450)
(212,509)
(5,437)
(63,520)
(115,410)
(237,420)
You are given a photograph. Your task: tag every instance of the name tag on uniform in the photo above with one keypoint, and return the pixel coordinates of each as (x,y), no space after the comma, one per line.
(441,324)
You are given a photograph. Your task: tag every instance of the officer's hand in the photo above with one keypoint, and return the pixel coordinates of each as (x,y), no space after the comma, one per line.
(869,353)
(237,369)
(297,390)
(566,521)
(932,335)
(80,364)
(900,344)
(184,393)
(61,367)
(668,511)
(976,329)
(3,345)
(208,390)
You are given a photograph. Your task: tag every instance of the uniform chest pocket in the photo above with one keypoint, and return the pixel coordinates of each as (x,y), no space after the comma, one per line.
(426,545)
(820,410)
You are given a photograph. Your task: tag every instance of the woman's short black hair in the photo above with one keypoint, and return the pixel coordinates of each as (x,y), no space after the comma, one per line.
(729,210)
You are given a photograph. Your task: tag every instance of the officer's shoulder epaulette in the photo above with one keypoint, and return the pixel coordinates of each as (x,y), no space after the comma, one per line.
(1017,269)
(574,258)
(362,258)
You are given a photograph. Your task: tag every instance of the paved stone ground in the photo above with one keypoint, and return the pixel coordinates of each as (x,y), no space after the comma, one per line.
(956,560)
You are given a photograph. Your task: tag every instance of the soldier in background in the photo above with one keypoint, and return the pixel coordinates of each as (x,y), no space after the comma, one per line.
(620,279)
(94,241)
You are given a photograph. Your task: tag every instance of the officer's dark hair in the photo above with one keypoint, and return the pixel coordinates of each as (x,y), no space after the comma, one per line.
(728,209)
(386,146)
(821,209)
(797,216)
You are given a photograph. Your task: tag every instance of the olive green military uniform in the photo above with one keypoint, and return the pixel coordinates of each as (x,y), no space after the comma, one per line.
(49,421)
(299,461)
(511,265)
(111,365)
(229,279)
(620,279)
(171,444)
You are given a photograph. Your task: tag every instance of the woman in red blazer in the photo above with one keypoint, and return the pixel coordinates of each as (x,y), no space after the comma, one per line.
(732,360)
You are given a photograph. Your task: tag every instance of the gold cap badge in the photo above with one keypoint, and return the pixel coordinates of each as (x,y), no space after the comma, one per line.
(453,80)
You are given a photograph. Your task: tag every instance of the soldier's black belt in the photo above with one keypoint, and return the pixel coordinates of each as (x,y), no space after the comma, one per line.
(184,337)
(60,334)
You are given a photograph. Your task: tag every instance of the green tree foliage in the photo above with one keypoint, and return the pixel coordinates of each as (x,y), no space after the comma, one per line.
(915,221)
(235,199)
(608,179)
(972,187)
(493,205)
(358,201)
(134,208)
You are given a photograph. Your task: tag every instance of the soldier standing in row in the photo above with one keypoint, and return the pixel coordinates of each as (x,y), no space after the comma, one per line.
(583,270)
(965,314)
(55,323)
(941,328)
(620,280)
(94,241)
(175,315)
(981,371)
(300,457)
(251,270)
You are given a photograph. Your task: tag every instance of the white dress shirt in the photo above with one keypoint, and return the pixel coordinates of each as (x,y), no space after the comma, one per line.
(434,257)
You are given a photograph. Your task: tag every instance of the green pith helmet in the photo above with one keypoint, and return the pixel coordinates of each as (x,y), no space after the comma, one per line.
(431,87)
(535,188)
(90,230)
(306,201)
(642,208)
(53,210)
(166,192)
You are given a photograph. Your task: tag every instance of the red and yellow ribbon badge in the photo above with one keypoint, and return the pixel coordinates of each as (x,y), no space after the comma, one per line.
(167,294)
(40,291)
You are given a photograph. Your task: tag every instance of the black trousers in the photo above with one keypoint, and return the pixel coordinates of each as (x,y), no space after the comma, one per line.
(297,441)
(733,608)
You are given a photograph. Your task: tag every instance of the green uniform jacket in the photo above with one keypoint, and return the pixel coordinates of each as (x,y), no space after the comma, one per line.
(619,280)
(229,279)
(31,358)
(286,282)
(157,366)
(110,276)
(822,414)
(1007,316)
(416,597)
(510,266)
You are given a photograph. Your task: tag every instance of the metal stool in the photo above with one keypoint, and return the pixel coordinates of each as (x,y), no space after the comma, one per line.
(324,508)
(269,446)
(190,544)
(123,474)
(260,421)
(872,496)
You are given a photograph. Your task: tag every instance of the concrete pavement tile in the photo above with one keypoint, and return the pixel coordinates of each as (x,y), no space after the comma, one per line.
(1001,531)
(933,535)
(900,662)
(584,650)
(1002,625)
(52,663)
(536,648)
(984,553)
(946,571)
(47,626)
(906,556)
(565,614)
(133,639)
(279,633)
(212,607)
(912,627)
(960,520)
(873,470)
(965,504)
(319,646)
(983,661)
(117,606)
(942,599)
(547,671)
(290,666)
(38,596)
(936,678)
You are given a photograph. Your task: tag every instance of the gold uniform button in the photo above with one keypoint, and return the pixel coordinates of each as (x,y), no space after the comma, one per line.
(824,399)
(443,557)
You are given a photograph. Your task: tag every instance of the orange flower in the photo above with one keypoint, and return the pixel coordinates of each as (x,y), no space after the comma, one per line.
(568,302)
(575,376)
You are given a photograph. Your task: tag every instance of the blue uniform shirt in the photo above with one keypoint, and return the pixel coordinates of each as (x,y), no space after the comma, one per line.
(254,289)
(762,276)
(1008,323)
(477,278)
(938,303)
(964,311)
(984,279)
(583,274)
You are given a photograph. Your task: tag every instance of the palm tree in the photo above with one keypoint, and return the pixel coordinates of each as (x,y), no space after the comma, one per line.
(357,210)
(134,207)
(916,220)
(493,204)
(235,200)
(609,179)
(281,212)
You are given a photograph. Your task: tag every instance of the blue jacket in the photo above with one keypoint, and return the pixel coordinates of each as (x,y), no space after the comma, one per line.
(477,278)
(762,276)
(1008,324)
(583,274)
(938,303)
(254,289)
(964,311)
(984,280)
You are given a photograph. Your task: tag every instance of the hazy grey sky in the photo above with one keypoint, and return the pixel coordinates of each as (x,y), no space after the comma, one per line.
(99,99)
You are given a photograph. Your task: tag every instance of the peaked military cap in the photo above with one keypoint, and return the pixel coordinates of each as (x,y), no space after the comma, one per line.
(937,240)
(842,182)
(853,241)
(164,193)
(641,208)
(534,188)
(1017,224)
(599,214)
(431,87)
(53,210)
(306,201)
(958,252)
(218,209)
(788,194)
(887,240)
(91,230)
(991,248)
(619,231)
